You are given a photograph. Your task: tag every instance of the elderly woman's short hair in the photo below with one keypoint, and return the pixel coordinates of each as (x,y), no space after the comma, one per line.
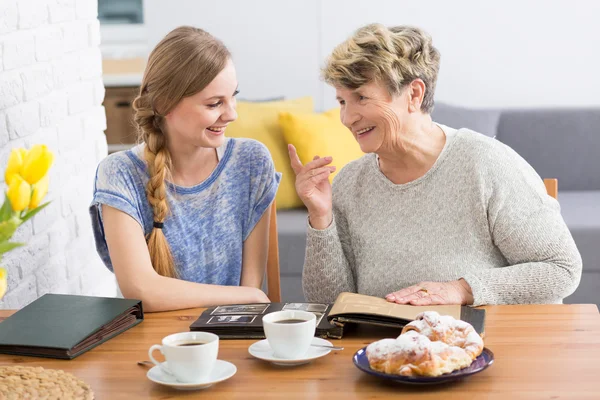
(394,56)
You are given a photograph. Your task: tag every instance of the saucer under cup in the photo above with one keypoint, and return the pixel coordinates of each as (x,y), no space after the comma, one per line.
(263,351)
(289,340)
(191,356)
(222,371)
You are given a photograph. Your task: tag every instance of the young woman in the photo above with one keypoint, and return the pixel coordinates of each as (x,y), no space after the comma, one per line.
(182,219)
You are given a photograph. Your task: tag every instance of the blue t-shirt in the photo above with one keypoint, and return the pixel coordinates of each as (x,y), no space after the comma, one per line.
(208,223)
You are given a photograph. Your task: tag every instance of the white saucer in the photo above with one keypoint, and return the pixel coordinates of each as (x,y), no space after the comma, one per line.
(222,370)
(263,351)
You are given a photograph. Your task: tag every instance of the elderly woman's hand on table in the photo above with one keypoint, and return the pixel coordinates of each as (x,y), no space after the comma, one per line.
(429,293)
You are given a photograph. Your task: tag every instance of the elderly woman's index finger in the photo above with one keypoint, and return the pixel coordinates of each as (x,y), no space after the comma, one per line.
(294,159)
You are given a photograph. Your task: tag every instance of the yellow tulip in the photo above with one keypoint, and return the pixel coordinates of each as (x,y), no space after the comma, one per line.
(36,164)
(3,282)
(40,189)
(19,193)
(23,152)
(15,163)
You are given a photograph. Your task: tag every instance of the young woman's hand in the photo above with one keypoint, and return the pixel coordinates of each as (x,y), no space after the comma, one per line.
(314,188)
(260,296)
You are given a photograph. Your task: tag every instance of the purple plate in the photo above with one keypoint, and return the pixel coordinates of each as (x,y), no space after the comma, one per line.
(485,359)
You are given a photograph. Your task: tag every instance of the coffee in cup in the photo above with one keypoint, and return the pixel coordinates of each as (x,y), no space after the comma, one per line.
(189,343)
(290,321)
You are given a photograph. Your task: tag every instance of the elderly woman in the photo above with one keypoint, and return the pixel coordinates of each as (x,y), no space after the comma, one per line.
(431,214)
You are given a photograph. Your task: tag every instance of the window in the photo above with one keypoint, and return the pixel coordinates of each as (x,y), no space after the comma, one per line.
(120,12)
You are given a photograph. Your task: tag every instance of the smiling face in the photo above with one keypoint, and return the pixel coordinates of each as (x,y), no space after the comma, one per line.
(200,120)
(380,74)
(375,117)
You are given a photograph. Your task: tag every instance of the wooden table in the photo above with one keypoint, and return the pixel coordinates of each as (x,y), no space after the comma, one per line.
(541,352)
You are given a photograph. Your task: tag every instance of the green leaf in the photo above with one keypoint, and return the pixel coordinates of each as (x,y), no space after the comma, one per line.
(31,213)
(6,210)
(8,228)
(8,246)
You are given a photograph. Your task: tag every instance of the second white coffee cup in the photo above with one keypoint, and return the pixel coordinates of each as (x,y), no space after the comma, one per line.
(190,356)
(289,332)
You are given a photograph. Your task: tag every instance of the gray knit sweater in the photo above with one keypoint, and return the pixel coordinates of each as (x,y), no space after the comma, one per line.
(480,213)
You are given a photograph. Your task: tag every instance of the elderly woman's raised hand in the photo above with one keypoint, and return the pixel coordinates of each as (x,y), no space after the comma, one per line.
(427,293)
(314,188)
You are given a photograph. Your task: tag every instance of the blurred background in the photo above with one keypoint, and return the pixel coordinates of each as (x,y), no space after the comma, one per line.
(509,54)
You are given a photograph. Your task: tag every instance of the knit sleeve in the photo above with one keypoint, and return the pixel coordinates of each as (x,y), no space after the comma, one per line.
(329,261)
(527,227)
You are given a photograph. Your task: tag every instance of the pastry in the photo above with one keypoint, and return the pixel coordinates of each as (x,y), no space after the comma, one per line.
(447,329)
(431,345)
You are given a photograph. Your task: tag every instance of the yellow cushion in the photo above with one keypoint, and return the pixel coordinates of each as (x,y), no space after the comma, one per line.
(259,121)
(320,135)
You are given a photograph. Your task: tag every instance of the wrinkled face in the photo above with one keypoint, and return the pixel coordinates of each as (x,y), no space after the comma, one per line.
(373,115)
(200,120)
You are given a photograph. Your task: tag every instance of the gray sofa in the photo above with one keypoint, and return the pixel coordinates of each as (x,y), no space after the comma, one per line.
(558,143)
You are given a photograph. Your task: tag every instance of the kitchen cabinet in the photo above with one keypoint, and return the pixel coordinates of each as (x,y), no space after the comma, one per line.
(121,132)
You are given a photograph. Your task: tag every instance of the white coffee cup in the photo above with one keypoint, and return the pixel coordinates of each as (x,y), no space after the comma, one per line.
(186,361)
(289,340)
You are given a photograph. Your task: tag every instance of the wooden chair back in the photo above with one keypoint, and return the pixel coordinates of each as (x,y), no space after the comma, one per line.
(273,278)
(552,187)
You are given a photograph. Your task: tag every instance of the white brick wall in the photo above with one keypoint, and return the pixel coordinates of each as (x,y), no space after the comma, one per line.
(51,92)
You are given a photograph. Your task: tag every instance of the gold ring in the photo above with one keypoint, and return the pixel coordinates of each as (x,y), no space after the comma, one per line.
(423,290)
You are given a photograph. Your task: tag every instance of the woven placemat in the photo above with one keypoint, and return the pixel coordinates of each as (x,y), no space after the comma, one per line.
(19,382)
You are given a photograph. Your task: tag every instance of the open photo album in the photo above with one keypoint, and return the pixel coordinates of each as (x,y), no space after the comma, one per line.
(244,321)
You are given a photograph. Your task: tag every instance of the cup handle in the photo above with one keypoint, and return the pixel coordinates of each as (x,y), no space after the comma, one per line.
(159,364)
(154,347)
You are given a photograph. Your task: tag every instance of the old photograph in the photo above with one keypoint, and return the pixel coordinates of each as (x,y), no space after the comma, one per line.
(319,308)
(319,317)
(241,309)
(231,319)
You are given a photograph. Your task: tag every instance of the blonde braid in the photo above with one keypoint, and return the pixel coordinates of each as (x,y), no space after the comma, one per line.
(158,160)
